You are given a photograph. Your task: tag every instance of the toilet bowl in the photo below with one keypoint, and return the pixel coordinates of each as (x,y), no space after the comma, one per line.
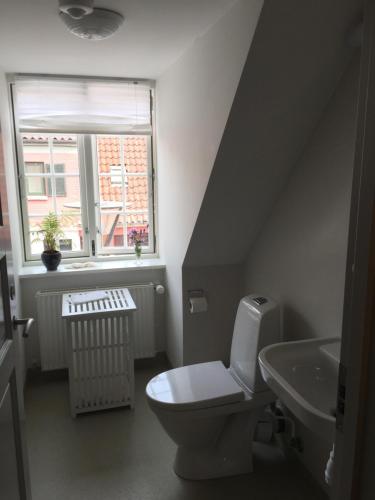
(211,412)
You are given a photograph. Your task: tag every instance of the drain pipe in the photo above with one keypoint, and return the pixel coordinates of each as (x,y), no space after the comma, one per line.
(278,414)
(330,467)
(295,442)
(277,422)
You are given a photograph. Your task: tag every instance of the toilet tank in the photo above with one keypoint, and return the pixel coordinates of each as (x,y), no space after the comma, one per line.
(257,325)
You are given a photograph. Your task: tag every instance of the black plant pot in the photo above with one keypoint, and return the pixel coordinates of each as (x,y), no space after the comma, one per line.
(51,259)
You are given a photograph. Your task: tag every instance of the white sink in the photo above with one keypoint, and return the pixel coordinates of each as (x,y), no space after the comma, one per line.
(304,375)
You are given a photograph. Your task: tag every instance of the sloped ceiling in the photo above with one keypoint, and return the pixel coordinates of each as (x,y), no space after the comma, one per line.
(297,56)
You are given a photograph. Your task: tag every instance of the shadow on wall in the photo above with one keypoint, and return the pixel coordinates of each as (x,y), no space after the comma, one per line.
(296,323)
(291,71)
(208,335)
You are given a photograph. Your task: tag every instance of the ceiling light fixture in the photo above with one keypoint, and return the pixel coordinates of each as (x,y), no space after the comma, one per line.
(75,9)
(85,21)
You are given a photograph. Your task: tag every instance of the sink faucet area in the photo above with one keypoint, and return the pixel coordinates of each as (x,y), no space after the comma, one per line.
(304,375)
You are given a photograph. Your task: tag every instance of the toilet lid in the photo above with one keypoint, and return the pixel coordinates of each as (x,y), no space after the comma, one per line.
(195,386)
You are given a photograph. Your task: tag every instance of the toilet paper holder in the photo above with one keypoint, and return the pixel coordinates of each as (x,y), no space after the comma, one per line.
(197,301)
(198,292)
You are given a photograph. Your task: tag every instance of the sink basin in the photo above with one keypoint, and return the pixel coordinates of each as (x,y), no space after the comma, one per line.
(304,375)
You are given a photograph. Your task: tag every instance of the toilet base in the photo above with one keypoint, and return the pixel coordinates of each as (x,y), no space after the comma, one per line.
(230,454)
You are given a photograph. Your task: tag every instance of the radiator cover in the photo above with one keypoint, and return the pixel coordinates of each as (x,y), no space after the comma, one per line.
(52,328)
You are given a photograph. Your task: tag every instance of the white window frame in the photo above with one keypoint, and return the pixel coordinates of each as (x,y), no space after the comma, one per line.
(108,251)
(86,150)
(29,257)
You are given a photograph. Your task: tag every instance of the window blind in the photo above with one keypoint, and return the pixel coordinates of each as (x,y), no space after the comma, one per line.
(82,106)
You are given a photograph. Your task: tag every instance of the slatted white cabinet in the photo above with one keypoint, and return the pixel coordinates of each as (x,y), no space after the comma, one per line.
(100,349)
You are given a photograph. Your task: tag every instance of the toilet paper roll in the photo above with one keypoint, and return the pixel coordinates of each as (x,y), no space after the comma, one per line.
(198,305)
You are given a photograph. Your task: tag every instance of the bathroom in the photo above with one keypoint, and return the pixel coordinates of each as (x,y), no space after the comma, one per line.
(256,108)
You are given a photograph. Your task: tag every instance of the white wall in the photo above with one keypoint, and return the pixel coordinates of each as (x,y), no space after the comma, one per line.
(194,98)
(291,71)
(300,256)
(208,335)
(284,89)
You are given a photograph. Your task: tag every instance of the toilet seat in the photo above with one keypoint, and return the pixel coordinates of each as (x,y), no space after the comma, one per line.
(193,387)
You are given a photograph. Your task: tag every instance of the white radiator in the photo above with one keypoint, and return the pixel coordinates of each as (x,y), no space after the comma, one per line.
(52,328)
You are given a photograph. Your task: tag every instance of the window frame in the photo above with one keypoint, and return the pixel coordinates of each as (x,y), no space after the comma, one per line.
(22,192)
(49,190)
(87,188)
(89,191)
(110,251)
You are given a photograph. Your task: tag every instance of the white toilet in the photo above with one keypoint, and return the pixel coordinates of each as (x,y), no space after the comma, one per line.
(210,411)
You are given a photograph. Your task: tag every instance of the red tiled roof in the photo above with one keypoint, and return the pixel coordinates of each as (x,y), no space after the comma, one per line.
(42,139)
(135,154)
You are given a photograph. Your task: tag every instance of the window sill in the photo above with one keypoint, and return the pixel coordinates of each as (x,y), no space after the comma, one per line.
(37,197)
(28,272)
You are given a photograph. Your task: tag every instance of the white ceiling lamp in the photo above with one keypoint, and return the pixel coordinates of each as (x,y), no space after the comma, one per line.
(85,21)
(75,9)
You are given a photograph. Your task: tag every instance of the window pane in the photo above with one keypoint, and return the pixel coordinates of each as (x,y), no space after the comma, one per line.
(36,151)
(72,238)
(71,222)
(137,228)
(36,167)
(136,154)
(38,202)
(55,190)
(65,153)
(109,153)
(112,230)
(36,186)
(137,192)
(36,239)
(123,176)
(68,194)
(59,181)
(110,193)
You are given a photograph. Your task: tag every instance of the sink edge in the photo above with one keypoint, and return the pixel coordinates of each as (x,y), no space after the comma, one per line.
(295,402)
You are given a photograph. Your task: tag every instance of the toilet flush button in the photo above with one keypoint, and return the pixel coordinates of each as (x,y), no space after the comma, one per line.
(260,300)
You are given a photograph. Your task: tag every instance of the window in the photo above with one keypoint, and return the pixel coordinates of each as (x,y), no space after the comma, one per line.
(40,186)
(116,175)
(84,160)
(123,181)
(36,185)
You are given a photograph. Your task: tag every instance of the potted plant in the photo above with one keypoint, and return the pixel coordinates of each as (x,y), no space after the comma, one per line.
(137,240)
(52,232)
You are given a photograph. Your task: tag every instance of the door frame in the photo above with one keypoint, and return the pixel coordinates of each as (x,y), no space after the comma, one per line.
(8,381)
(359,299)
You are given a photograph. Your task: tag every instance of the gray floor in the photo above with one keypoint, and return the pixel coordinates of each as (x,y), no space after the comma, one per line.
(123,454)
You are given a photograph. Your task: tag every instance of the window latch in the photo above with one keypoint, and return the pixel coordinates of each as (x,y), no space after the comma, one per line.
(93,248)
